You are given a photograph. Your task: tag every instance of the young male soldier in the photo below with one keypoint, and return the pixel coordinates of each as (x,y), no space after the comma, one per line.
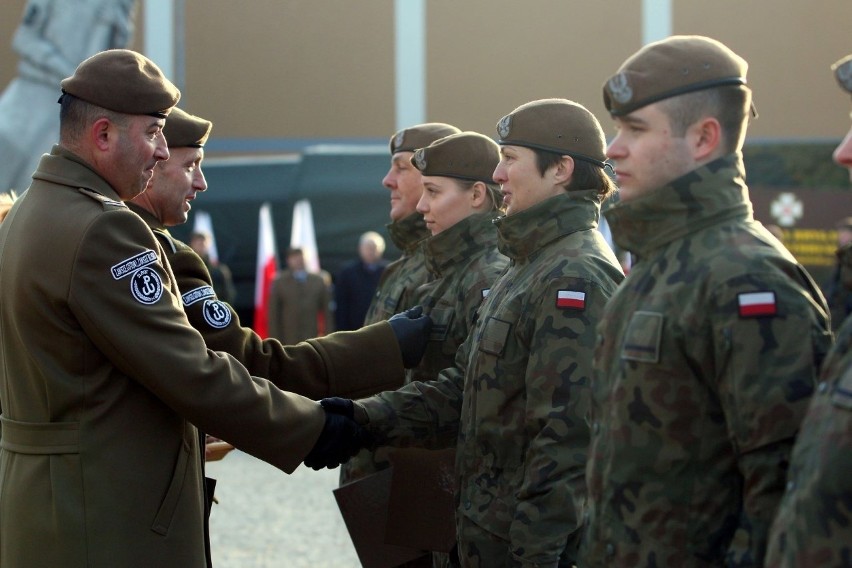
(362,362)
(814,522)
(407,229)
(102,378)
(709,349)
(515,403)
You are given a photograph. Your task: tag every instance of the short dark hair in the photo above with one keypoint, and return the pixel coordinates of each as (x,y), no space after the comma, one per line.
(586,174)
(729,105)
(75,114)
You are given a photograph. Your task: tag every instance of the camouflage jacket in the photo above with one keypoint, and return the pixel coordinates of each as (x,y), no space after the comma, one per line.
(463,262)
(517,396)
(813,526)
(405,274)
(395,293)
(707,358)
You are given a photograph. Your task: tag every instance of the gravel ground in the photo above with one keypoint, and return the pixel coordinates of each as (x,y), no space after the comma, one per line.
(268,519)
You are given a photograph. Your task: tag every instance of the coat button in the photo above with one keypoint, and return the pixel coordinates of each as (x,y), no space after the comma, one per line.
(596,427)
(467,505)
(610,549)
(823,387)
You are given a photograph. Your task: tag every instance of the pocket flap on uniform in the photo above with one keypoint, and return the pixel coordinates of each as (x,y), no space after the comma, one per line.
(494,336)
(642,341)
(442,319)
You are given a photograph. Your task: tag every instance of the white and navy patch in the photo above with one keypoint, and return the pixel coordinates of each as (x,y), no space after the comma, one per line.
(619,88)
(198,294)
(132,264)
(146,286)
(216,313)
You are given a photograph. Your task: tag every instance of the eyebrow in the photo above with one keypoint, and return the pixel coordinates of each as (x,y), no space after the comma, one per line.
(631,119)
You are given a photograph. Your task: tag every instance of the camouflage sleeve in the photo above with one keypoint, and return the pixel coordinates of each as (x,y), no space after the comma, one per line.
(769,338)
(551,495)
(424,414)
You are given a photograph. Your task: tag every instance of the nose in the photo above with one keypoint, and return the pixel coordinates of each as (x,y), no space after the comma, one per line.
(843,153)
(499,175)
(422,206)
(161,151)
(616,148)
(199,182)
(389,180)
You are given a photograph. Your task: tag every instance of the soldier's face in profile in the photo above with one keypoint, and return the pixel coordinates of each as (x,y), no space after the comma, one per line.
(444,203)
(522,184)
(139,145)
(843,153)
(176,182)
(405,184)
(646,154)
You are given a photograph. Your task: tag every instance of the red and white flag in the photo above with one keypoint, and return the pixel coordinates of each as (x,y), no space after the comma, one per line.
(303,236)
(754,304)
(267,265)
(573,299)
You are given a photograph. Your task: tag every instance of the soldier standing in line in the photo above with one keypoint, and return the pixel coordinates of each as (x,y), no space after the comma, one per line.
(103,379)
(407,229)
(709,350)
(515,402)
(814,522)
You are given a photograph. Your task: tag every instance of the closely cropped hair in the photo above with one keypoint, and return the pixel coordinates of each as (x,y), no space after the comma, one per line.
(76,114)
(586,175)
(729,105)
(495,195)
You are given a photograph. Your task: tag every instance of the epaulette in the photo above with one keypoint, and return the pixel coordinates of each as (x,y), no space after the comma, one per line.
(166,238)
(108,204)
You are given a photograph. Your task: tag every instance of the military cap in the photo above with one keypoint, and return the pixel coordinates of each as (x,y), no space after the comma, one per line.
(555,125)
(843,73)
(185,130)
(674,66)
(419,136)
(466,155)
(123,81)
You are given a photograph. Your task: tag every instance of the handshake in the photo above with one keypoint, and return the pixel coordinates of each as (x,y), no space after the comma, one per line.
(341,436)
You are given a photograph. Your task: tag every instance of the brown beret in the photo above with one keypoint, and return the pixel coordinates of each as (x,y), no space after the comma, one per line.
(123,81)
(555,125)
(843,73)
(183,129)
(420,136)
(671,67)
(466,155)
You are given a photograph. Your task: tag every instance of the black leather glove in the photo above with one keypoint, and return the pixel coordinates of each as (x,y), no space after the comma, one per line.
(412,329)
(341,437)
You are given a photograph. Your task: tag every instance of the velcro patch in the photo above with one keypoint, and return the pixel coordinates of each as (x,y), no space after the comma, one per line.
(132,264)
(642,340)
(571,299)
(757,304)
(198,294)
(442,318)
(216,313)
(494,336)
(146,286)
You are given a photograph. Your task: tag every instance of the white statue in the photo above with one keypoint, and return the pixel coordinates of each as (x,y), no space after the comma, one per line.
(53,38)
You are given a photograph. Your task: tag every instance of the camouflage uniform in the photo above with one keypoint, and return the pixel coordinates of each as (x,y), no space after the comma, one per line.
(516,399)
(814,522)
(463,262)
(396,287)
(706,361)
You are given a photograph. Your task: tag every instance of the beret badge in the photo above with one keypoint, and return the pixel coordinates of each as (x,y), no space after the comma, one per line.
(420,159)
(398,139)
(504,126)
(620,89)
(844,74)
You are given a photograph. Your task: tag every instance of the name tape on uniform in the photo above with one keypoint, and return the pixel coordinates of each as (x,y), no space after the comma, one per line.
(198,294)
(132,264)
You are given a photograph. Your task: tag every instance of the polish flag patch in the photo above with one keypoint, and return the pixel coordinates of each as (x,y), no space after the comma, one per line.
(755,304)
(571,299)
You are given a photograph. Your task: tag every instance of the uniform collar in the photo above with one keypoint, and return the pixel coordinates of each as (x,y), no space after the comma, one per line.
(149,218)
(703,197)
(523,233)
(459,242)
(64,167)
(408,232)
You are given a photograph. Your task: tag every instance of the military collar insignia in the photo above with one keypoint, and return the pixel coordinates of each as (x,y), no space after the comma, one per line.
(619,88)
(420,159)
(504,126)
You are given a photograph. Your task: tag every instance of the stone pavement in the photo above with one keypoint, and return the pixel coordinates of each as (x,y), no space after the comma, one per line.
(268,519)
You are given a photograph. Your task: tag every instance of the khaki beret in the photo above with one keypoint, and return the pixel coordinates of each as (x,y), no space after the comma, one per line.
(843,73)
(183,129)
(555,125)
(466,155)
(420,136)
(123,81)
(674,66)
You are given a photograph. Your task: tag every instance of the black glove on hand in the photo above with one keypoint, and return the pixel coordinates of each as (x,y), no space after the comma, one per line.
(341,437)
(412,329)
